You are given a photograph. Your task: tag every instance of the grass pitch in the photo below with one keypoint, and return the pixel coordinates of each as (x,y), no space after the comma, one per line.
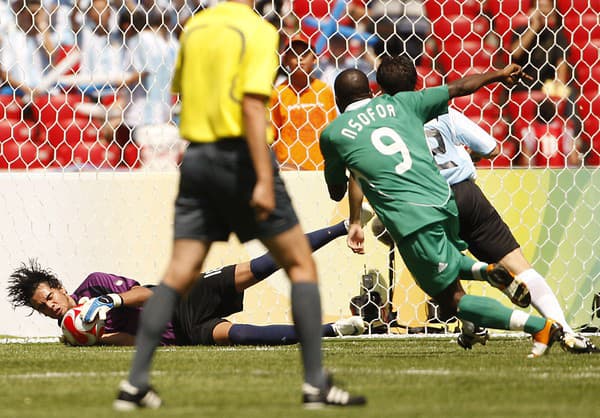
(401,377)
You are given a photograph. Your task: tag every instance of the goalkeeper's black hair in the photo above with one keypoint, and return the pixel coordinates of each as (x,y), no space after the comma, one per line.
(24,281)
(396,74)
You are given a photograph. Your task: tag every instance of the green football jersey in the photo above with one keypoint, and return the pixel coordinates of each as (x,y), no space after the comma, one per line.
(382,142)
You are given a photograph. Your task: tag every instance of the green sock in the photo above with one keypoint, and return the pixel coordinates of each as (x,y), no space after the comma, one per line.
(534,324)
(470,269)
(484,312)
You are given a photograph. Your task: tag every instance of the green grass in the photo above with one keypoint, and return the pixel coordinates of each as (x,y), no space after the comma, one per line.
(401,377)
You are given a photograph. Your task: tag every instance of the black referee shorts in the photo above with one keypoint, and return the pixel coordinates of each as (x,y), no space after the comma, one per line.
(481,227)
(215,189)
(212,298)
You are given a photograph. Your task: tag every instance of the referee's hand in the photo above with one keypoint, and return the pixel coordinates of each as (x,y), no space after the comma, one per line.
(263,201)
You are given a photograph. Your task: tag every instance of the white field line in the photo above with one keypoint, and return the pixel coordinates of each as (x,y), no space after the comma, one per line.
(593,373)
(66,375)
(493,335)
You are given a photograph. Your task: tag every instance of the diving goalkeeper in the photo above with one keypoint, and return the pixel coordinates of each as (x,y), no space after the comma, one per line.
(198,318)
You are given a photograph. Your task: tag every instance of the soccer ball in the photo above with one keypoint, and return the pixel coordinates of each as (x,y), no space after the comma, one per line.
(78,333)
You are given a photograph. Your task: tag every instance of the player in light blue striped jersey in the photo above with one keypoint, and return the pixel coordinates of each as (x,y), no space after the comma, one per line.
(481,227)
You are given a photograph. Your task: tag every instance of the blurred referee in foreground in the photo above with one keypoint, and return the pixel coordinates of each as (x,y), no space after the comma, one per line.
(230,183)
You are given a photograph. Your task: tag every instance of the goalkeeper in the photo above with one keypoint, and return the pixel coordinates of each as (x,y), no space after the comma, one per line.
(198,318)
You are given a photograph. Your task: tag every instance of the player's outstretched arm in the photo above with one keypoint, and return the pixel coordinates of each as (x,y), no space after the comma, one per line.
(509,75)
(98,307)
(118,338)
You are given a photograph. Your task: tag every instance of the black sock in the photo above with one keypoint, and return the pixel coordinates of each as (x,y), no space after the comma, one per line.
(244,334)
(263,266)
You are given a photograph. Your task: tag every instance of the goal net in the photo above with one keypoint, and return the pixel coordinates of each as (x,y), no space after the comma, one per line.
(89,145)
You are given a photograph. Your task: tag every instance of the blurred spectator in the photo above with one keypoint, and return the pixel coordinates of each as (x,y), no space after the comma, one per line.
(541,47)
(340,58)
(59,12)
(548,141)
(355,11)
(279,13)
(102,71)
(401,26)
(148,113)
(7,20)
(177,12)
(301,107)
(153,57)
(26,49)
(319,20)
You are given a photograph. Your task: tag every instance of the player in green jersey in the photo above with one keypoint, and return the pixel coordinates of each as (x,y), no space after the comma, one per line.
(381,142)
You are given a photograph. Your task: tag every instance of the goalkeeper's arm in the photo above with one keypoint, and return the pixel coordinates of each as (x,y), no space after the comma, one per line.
(96,308)
(117,338)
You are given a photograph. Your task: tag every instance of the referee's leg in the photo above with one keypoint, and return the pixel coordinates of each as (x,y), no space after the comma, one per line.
(185,266)
(292,251)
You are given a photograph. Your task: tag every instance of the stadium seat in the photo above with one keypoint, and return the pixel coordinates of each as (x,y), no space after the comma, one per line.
(492,123)
(522,106)
(587,61)
(478,105)
(507,15)
(582,6)
(467,8)
(589,109)
(49,109)
(70,131)
(131,156)
(427,77)
(91,155)
(10,108)
(472,57)
(24,155)
(15,129)
(583,28)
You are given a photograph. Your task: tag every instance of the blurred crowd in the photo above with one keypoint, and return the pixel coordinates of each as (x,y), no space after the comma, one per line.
(85,83)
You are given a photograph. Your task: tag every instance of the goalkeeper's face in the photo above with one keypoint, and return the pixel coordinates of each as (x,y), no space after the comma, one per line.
(52,302)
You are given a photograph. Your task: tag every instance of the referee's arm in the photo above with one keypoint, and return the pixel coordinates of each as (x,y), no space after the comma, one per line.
(255,124)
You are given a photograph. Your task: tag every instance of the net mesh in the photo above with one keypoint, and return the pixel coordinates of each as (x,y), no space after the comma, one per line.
(85,87)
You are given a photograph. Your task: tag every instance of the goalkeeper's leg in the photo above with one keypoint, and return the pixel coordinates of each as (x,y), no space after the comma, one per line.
(249,273)
(227,333)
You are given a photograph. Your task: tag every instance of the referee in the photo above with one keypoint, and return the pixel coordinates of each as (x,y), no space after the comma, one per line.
(230,183)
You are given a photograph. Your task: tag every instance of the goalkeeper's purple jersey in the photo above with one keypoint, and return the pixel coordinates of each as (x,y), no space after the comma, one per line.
(123,319)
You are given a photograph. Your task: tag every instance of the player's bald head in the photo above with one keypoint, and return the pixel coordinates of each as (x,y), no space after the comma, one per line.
(350,86)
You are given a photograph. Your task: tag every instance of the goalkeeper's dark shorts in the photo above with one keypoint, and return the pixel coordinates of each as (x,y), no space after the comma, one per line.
(212,297)
(215,188)
(481,227)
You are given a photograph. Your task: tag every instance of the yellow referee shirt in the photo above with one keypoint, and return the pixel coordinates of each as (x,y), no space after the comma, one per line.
(226,51)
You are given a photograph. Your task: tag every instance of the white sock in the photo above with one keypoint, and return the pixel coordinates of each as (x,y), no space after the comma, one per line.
(543,299)
(476,269)
(518,320)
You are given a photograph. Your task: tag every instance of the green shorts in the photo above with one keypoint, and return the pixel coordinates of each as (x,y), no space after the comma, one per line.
(433,255)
